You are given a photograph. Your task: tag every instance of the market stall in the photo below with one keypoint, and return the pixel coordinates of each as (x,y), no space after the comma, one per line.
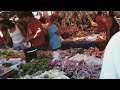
(94,40)
(10,61)
(80,57)
(75,63)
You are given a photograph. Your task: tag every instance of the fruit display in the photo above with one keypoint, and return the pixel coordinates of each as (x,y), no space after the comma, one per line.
(80,34)
(85,37)
(94,51)
(68,31)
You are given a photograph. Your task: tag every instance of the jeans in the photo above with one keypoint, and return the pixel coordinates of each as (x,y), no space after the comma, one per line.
(19,46)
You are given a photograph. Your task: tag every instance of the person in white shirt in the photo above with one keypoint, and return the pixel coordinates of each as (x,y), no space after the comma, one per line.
(111,60)
(17,33)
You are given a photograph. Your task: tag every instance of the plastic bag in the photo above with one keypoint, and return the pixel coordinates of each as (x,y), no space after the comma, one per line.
(61,39)
(56,55)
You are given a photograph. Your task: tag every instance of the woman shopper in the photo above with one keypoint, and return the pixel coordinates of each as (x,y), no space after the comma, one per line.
(54,38)
(17,33)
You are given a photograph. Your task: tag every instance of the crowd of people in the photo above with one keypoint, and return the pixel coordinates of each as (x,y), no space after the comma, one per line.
(29,33)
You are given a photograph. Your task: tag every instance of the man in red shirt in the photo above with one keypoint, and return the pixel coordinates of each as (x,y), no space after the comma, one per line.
(35,33)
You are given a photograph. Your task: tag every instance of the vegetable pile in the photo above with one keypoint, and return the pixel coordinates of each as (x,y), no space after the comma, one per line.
(7,64)
(51,74)
(86,65)
(74,63)
(42,52)
(9,53)
(41,63)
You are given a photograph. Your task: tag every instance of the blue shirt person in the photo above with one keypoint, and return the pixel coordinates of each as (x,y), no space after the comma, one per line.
(54,39)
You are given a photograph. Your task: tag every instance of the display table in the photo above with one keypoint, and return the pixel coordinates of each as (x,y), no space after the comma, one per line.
(83,44)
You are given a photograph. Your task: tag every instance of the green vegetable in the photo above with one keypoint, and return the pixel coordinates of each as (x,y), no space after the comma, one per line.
(41,63)
(46,76)
(6,52)
(7,64)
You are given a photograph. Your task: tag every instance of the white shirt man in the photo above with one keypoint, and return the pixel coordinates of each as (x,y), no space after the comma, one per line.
(111,60)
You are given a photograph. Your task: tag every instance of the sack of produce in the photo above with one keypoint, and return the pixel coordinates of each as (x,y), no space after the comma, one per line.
(56,56)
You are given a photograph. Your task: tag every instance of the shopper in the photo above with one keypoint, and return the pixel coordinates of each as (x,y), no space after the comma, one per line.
(111,60)
(53,33)
(112,25)
(35,33)
(6,37)
(54,38)
(45,25)
(100,20)
(22,19)
(17,33)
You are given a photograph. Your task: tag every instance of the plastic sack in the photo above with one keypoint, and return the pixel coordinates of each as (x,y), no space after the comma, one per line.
(56,55)
(61,39)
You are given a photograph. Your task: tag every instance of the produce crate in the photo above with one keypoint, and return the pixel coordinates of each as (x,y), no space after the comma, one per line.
(8,72)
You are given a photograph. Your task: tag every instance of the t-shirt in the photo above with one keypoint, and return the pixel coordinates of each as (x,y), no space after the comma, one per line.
(101,25)
(54,37)
(33,29)
(111,60)
(16,36)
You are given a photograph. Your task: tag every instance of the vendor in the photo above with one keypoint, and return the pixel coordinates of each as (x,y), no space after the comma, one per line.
(85,22)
